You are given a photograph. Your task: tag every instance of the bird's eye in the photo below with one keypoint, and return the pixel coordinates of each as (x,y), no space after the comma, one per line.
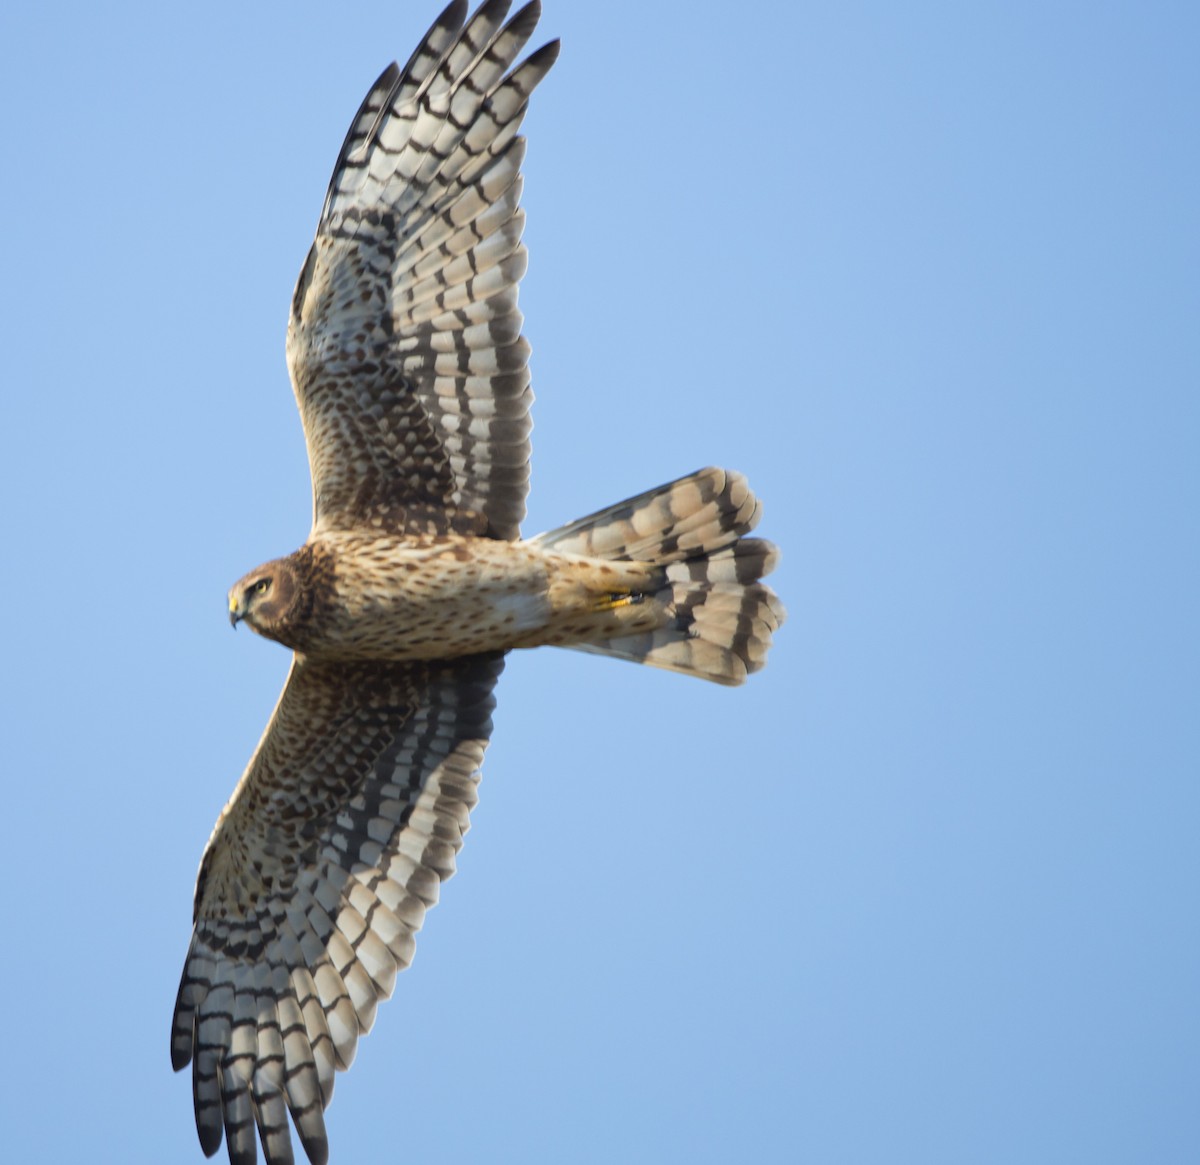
(262,586)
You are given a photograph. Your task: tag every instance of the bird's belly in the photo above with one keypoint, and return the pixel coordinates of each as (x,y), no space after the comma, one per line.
(454,597)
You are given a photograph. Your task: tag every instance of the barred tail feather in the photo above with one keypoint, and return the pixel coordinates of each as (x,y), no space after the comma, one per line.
(718,617)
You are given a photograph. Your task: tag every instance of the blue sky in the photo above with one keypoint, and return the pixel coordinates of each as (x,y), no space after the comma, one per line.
(925,890)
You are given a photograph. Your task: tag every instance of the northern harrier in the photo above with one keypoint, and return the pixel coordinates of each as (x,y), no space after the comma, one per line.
(409,367)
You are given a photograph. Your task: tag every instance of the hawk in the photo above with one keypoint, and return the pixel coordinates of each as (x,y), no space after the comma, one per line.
(411,374)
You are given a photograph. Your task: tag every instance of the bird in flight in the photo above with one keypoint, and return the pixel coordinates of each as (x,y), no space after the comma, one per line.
(411,374)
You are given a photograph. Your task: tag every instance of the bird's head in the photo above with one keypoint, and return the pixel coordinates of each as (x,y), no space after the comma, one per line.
(264,598)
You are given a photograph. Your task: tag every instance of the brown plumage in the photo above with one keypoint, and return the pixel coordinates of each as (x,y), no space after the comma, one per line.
(411,375)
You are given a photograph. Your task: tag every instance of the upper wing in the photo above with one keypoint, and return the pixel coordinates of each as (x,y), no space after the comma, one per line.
(405,343)
(313,884)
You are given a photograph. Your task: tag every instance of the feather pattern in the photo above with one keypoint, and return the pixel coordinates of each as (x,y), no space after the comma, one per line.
(717,616)
(405,344)
(316,878)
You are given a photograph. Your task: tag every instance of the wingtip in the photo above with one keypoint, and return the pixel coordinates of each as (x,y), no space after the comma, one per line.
(548,52)
(316,1145)
(454,14)
(525,19)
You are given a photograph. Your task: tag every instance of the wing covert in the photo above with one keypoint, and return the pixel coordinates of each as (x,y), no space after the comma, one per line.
(316,879)
(405,344)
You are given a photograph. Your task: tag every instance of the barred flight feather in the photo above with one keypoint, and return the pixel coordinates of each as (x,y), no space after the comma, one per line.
(409,290)
(334,918)
(717,618)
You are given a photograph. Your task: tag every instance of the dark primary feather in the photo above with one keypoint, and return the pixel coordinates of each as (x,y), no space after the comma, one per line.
(405,340)
(315,881)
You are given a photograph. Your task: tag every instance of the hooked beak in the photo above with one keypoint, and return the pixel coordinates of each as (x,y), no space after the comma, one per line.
(235,613)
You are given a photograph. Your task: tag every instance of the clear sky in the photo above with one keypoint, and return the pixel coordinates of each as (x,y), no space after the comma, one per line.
(923,892)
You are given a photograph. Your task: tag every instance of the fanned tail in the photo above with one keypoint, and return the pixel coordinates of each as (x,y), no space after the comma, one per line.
(717,616)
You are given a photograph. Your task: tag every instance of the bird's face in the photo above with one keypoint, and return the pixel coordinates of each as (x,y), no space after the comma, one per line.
(263,597)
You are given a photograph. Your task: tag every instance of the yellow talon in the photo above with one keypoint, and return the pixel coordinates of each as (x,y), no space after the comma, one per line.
(612,601)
